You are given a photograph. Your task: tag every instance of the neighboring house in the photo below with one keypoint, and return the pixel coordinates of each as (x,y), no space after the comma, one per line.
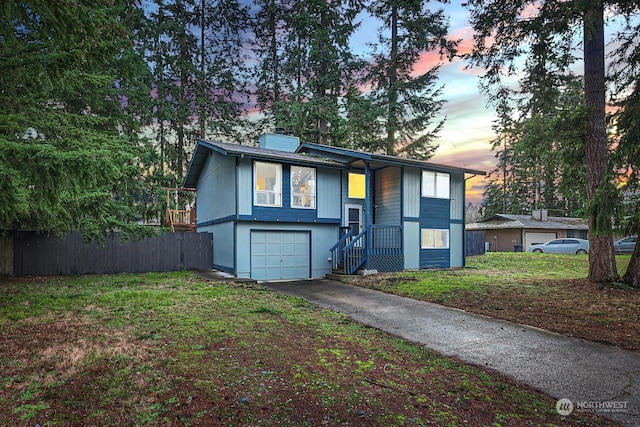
(287,210)
(514,233)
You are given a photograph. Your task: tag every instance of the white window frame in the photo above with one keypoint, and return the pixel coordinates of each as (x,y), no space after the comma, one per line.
(277,192)
(436,185)
(435,238)
(311,195)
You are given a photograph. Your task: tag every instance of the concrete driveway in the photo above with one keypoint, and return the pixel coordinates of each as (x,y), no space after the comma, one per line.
(603,378)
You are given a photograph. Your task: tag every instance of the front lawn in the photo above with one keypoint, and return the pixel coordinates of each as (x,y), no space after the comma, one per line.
(174,350)
(543,290)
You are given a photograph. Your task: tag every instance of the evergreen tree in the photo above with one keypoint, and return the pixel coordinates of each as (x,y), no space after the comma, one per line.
(305,65)
(627,154)
(411,101)
(221,83)
(65,163)
(547,29)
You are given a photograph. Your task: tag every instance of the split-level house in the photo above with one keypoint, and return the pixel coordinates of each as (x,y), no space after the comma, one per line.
(291,210)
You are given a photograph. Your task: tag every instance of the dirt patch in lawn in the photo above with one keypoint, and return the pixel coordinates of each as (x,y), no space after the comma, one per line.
(207,354)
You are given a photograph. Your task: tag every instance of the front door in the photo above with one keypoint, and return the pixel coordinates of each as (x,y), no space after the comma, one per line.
(353,218)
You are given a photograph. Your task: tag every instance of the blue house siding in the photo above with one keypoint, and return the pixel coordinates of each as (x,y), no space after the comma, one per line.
(434,258)
(411,236)
(328,193)
(434,213)
(223,245)
(323,236)
(245,186)
(223,175)
(457,184)
(387,197)
(218,173)
(411,192)
(456,250)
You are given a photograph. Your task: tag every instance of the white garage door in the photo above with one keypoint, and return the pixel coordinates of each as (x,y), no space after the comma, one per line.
(531,238)
(280,255)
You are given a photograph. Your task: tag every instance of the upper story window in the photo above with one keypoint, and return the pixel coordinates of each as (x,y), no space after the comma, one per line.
(267,184)
(356,186)
(435,184)
(303,187)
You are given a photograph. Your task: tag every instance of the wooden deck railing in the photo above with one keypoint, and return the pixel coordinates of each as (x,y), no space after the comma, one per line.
(181,220)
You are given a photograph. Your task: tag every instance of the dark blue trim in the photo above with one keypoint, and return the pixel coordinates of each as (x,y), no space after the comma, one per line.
(224,268)
(227,218)
(276,218)
(411,218)
(457,221)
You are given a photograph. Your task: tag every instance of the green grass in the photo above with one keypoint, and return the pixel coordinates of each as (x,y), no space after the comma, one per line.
(488,271)
(171,349)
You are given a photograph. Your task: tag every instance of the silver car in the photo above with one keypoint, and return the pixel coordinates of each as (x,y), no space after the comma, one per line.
(561,246)
(626,245)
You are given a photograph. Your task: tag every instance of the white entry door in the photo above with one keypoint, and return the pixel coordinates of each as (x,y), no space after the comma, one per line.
(353,218)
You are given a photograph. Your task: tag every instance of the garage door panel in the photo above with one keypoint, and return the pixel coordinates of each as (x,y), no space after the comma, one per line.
(287,249)
(280,255)
(537,237)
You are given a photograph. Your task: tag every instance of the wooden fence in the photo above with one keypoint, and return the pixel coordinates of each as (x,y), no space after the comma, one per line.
(43,255)
(6,254)
(474,242)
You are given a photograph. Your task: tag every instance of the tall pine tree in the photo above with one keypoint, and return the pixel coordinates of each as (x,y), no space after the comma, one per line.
(411,101)
(65,163)
(508,31)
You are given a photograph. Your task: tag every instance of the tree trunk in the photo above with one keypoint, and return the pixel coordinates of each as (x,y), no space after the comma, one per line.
(602,262)
(632,275)
(322,87)
(392,120)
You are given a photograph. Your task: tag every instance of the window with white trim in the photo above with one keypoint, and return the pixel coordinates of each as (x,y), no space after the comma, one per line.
(303,187)
(435,184)
(267,184)
(434,238)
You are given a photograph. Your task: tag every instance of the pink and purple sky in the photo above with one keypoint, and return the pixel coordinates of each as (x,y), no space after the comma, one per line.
(465,138)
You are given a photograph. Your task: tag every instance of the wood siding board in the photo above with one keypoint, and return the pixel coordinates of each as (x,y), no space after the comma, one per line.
(456,248)
(388,196)
(411,234)
(457,184)
(216,188)
(411,192)
(434,213)
(245,186)
(434,258)
(328,193)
